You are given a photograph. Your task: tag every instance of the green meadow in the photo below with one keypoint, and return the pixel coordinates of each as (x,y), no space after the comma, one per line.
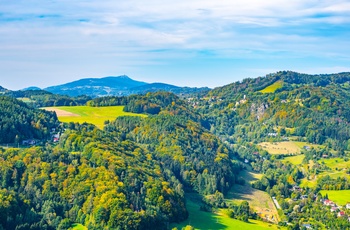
(340,197)
(93,115)
(272,88)
(79,227)
(295,160)
(207,220)
(286,147)
(335,163)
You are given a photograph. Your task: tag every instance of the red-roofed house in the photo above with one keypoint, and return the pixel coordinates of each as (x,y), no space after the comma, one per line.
(341,214)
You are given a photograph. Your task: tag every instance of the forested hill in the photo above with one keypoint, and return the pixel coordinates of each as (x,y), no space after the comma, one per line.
(137,172)
(289,79)
(316,107)
(131,175)
(19,121)
(116,86)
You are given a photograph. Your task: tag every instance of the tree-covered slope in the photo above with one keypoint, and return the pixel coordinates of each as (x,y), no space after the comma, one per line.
(91,177)
(18,121)
(131,175)
(316,107)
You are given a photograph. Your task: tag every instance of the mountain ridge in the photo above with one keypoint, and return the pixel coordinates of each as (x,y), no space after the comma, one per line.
(115,86)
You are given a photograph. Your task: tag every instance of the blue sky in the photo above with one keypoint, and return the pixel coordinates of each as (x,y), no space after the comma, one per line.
(186,43)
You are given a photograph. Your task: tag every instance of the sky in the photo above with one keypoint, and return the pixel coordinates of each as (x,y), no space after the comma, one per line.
(185,43)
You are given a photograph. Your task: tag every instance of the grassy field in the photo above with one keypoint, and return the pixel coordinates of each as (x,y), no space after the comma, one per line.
(341,197)
(286,147)
(25,99)
(207,220)
(79,227)
(260,201)
(94,115)
(272,88)
(295,160)
(335,163)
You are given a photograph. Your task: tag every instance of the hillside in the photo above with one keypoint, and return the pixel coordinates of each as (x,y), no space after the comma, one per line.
(133,174)
(268,119)
(19,121)
(116,86)
(266,149)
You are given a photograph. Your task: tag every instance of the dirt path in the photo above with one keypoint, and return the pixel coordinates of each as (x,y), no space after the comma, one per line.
(62,113)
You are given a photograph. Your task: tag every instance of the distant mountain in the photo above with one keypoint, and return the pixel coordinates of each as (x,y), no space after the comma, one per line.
(31,88)
(3,90)
(116,86)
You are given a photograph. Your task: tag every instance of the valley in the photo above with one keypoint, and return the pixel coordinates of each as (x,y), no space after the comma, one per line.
(219,159)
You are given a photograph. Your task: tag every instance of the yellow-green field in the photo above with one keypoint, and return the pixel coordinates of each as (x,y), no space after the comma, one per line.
(286,147)
(336,165)
(93,115)
(295,160)
(79,227)
(272,88)
(340,197)
(25,99)
(207,220)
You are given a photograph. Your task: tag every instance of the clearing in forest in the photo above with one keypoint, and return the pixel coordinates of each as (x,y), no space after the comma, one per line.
(295,160)
(338,167)
(93,115)
(260,201)
(79,227)
(207,220)
(286,147)
(340,197)
(272,88)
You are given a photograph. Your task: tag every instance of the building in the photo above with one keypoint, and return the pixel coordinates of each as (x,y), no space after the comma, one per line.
(341,214)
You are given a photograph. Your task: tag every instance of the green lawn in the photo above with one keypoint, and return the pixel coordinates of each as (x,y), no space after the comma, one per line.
(272,88)
(78,227)
(340,197)
(93,115)
(207,220)
(295,160)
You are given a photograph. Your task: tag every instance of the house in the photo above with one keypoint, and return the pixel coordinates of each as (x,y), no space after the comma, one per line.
(324,156)
(341,214)
(347,206)
(328,203)
(56,137)
(246,161)
(334,209)
(272,134)
(304,197)
(307,226)
(29,142)
(307,147)
(297,188)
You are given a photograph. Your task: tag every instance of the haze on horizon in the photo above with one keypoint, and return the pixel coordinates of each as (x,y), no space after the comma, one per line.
(197,43)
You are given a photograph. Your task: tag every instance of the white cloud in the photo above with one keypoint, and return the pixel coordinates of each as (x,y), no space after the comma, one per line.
(129,32)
